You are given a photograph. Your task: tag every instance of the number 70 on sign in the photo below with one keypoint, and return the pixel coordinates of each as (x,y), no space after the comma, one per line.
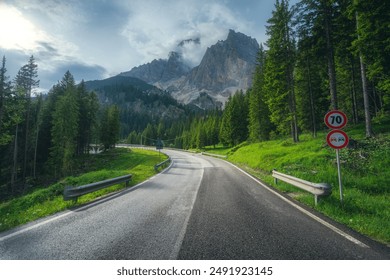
(335,119)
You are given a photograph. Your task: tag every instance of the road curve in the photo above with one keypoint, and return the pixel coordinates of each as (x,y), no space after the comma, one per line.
(199,208)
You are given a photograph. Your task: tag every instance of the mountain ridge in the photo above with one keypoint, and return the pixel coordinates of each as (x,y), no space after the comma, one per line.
(226,67)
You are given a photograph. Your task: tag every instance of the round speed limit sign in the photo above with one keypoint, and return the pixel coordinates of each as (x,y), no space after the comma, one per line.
(335,119)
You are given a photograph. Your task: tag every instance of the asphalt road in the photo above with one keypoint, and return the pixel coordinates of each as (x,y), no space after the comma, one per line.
(200,208)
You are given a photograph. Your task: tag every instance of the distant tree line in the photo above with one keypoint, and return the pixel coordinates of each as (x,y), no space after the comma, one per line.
(45,134)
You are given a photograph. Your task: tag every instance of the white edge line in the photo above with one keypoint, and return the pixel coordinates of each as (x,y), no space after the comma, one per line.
(318,219)
(68,212)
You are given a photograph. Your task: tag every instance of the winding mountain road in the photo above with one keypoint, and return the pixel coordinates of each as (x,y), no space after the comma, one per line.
(199,208)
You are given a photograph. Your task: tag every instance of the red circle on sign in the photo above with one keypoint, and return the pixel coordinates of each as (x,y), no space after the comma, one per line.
(337,139)
(335,119)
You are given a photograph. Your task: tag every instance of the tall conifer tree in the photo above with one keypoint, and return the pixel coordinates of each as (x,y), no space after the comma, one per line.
(279,70)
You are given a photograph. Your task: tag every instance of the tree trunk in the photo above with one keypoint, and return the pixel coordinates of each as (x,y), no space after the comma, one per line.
(15,163)
(330,56)
(295,120)
(312,108)
(369,132)
(355,115)
(26,137)
(35,152)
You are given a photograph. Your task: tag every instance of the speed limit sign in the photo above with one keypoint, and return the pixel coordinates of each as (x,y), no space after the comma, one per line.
(335,119)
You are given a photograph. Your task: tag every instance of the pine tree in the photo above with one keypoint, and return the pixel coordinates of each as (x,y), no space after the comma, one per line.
(11,115)
(259,122)
(110,127)
(234,125)
(279,71)
(26,80)
(201,137)
(88,109)
(65,123)
(9,107)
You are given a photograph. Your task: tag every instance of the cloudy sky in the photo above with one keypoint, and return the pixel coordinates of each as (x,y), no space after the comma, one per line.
(96,39)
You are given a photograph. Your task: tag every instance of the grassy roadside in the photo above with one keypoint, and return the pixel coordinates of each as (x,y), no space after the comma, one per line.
(48,200)
(365,173)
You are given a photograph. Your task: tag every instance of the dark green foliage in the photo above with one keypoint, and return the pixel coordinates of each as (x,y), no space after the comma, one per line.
(88,109)
(259,121)
(65,125)
(10,107)
(374,43)
(234,124)
(109,127)
(279,71)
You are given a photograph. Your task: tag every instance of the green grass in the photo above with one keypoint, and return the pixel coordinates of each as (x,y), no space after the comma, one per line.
(44,201)
(365,176)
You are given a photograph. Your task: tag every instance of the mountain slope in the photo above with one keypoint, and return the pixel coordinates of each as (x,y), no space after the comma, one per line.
(160,70)
(139,102)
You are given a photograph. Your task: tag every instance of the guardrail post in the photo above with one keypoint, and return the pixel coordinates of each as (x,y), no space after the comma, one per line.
(275,179)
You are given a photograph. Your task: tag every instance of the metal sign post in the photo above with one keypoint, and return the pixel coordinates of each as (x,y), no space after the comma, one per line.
(336,138)
(339,174)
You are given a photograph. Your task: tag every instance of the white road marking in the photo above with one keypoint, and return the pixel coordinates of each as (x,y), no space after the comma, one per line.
(318,219)
(68,212)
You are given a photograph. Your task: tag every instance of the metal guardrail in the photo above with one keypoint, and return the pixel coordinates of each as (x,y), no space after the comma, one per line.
(161,164)
(317,189)
(71,192)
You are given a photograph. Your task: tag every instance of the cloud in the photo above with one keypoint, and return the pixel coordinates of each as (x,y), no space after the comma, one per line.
(80,71)
(154,28)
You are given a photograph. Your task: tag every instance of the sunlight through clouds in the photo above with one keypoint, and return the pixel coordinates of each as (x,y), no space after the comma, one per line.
(16,32)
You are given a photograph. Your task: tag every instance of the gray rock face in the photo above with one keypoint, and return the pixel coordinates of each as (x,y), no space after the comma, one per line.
(175,67)
(226,67)
(150,72)
(160,70)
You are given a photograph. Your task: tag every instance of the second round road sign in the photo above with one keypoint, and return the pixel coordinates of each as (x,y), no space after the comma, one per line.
(337,139)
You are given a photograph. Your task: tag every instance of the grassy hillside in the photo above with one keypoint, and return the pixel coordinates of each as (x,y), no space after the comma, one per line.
(365,175)
(46,200)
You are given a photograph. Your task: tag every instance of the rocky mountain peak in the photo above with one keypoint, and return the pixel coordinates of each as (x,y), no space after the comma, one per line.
(174,68)
(226,67)
(245,46)
(195,41)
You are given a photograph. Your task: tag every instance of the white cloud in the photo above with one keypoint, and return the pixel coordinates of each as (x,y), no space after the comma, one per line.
(154,28)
